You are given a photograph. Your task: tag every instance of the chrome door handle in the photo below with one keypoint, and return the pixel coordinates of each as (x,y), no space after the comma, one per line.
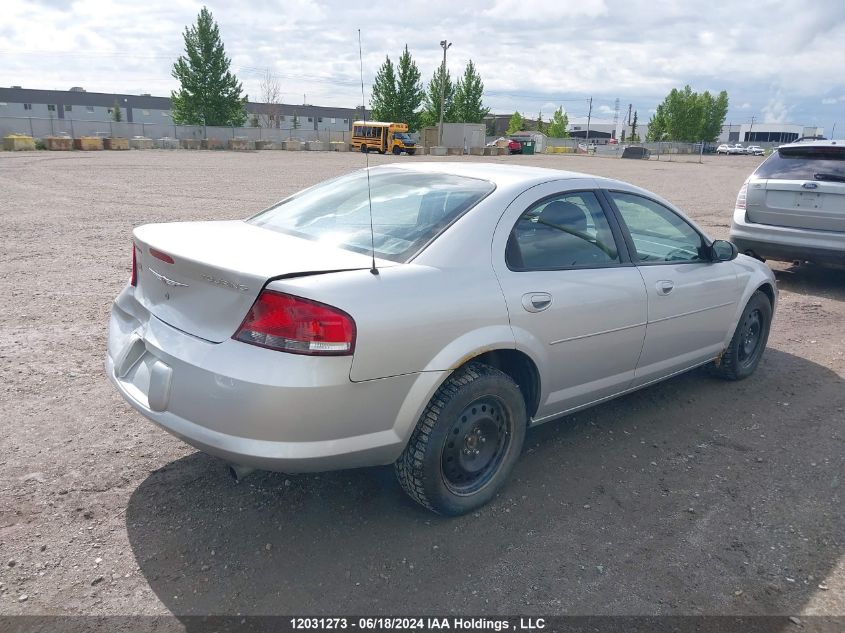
(664,286)
(536,301)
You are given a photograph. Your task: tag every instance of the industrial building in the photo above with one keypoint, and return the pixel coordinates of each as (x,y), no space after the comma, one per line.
(759,133)
(78,104)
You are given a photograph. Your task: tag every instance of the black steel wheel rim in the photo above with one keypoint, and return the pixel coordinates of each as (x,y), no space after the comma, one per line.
(750,337)
(476,445)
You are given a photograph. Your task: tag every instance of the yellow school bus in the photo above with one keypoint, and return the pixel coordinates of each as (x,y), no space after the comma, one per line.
(377,136)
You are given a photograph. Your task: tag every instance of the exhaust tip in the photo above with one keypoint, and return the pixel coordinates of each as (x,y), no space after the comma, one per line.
(238,472)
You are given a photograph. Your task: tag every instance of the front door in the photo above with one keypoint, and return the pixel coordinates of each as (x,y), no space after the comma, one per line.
(691,299)
(575,302)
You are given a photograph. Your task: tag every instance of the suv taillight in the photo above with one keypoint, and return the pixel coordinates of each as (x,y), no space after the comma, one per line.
(292,324)
(742,196)
(134,279)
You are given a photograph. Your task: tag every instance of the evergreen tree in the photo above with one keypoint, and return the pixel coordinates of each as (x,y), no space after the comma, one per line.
(515,124)
(540,126)
(431,102)
(384,102)
(634,137)
(116,114)
(208,92)
(469,107)
(409,91)
(559,124)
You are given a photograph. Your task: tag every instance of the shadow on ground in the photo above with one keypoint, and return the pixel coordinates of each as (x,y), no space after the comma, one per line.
(810,280)
(691,497)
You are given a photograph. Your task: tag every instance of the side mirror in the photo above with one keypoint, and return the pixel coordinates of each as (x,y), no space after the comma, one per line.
(723,251)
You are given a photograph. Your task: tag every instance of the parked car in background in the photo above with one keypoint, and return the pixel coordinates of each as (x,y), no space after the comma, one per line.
(754,150)
(724,148)
(793,206)
(424,316)
(514,146)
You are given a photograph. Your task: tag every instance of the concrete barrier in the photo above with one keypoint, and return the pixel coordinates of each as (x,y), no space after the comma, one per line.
(477,151)
(116,143)
(314,146)
(58,143)
(88,143)
(455,151)
(339,146)
(141,142)
(491,151)
(438,150)
(264,145)
(18,143)
(292,144)
(166,142)
(211,143)
(189,143)
(239,144)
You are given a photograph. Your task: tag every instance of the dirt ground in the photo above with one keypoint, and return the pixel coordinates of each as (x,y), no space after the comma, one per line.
(691,497)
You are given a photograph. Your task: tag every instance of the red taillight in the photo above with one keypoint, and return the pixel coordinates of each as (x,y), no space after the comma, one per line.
(134,279)
(301,326)
(167,259)
(742,196)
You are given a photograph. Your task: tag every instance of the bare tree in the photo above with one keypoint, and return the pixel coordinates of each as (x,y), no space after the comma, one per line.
(271,100)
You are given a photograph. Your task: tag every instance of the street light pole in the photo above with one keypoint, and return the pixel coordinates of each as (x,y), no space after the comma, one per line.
(445,46)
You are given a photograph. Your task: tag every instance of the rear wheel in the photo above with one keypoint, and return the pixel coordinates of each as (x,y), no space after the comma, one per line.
(749,340)
(364,149)
(466,441)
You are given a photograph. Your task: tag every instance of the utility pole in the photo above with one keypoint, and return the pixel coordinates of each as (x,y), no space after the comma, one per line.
(445,46)
(751,127)
(589,116)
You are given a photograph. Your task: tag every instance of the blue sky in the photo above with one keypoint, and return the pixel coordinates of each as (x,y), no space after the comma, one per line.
(780,61)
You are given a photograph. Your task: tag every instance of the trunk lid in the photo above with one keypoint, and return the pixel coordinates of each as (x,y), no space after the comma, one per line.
(216,270)
(803,204)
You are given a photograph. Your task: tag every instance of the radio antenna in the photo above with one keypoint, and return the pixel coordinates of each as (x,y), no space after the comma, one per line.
(373,270)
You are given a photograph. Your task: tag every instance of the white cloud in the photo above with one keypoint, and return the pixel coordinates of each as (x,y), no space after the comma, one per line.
(776,110)
(829,101)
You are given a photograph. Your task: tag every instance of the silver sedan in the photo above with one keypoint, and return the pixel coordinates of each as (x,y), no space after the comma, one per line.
(424,316)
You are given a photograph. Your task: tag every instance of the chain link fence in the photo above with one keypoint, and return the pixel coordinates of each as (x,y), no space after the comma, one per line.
(41,127)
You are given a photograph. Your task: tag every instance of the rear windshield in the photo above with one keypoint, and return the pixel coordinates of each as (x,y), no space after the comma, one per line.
(408,210)
(804,163)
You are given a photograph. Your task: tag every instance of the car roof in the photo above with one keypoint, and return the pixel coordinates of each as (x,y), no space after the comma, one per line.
(827,143)
(499,174)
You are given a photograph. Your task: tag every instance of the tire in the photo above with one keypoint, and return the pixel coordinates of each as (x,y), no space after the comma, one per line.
(364,149)
(465,443)
(396,151)
(743,353)
(411,152)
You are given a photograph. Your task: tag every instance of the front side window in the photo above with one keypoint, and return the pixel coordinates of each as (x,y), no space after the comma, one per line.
(408,210)
(566,231)
(659,234)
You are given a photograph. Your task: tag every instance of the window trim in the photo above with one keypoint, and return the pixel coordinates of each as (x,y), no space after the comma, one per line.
(629,240)
(625,260)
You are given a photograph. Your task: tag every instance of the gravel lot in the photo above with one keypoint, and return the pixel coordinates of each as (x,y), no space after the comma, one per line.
(691,497)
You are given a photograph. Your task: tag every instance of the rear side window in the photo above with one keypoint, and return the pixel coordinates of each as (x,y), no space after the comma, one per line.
(408,210)
(804,163)
(566,231)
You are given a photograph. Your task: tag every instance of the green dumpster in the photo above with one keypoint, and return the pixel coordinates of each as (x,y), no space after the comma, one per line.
(527,147)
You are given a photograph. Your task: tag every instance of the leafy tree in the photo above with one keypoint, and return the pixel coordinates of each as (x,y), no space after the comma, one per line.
(384,100)
(409,91)
(688,116)
(116,114)
(209,93)
(516,123)
(558,125)
(468,105)
(431,101)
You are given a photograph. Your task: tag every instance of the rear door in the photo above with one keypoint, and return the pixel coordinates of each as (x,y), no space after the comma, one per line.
(573,296)
(691,300)
(803,187)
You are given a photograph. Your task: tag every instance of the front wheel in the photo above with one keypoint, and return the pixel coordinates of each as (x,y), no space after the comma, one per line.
(743,353)
(465,443)
(396,151)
